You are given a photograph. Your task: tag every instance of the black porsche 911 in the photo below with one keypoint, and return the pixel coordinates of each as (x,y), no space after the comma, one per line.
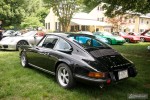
(77,57)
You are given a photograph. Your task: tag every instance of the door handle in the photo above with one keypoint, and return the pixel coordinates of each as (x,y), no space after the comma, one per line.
(37,48)
(44,53)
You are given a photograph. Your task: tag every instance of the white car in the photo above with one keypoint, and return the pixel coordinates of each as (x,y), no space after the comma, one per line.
(8,33)
(13,43)
(148,48)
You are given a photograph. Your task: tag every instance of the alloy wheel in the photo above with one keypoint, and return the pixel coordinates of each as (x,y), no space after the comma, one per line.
(24,61)
(127,40)
(63,76)
(142,39)
(20,43)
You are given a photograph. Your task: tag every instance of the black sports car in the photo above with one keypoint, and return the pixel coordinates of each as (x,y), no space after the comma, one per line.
(77,57)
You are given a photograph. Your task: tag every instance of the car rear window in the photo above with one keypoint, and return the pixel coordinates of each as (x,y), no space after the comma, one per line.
(88,41)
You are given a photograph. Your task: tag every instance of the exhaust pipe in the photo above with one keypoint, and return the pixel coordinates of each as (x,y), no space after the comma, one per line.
(101,86)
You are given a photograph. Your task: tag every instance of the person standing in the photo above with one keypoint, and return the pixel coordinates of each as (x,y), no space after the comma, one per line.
(1,31)
(1,35)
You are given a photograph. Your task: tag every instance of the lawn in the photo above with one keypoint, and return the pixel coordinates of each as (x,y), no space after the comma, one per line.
(19,83)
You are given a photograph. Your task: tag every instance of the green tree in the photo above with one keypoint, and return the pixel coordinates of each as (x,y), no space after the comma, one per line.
(13,12)
(118,7)
(65,9)
(31,22)
(42,13)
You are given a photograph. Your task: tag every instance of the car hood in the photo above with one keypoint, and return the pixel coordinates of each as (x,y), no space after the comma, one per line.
(110,59)
(118,37)
(114,37)
(12,39)
(134,37)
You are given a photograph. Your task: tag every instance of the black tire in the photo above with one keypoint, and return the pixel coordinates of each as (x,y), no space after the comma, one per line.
(109,41)
(142,39)
(20,43)
(127,40)
(64,76)
(23,60)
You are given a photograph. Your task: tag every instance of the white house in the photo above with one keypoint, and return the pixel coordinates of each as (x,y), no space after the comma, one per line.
(96,20)
(80,21)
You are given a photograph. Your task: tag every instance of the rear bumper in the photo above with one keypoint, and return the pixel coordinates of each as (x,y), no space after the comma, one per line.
(91,81)
(112,77)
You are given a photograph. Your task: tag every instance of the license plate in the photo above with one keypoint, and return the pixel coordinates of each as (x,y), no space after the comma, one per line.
(122,74)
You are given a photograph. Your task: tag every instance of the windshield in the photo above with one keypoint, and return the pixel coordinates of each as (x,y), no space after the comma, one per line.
(9,32)
(147,34)
(88,41)
(86,32)
(123,33)
(106,33)
(31,33)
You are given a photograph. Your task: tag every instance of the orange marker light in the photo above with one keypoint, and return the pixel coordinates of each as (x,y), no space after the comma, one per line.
(96,74)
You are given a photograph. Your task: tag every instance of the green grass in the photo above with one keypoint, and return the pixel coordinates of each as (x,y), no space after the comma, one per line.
(17,83)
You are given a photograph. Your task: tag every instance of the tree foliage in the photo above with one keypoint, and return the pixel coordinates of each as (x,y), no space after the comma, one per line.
(65,9)
(118,21)
(118,7)
(31,22)
(13,12)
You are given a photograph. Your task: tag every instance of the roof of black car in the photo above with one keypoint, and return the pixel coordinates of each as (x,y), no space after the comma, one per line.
(69,34)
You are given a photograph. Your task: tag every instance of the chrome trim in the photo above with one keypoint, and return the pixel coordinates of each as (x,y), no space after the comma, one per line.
(41,69)
(90,79)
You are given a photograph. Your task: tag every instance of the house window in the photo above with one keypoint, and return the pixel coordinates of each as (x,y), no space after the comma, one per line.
(141,30)
(147,22)
(133,20)
(129,20)
(49,25)
(101,19)
(98,8)
(132,30)
(101,9)
(46,25)
(141,20)
(56,25)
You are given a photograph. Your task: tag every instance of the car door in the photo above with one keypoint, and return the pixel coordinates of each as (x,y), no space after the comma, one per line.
(42,54)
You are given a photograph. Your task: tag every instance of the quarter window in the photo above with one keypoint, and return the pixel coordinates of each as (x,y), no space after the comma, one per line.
(62,45)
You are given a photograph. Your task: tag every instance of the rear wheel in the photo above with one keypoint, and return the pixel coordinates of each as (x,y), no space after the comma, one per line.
(21,43)
(64,76)
(23,59)
(142,39)
(127,40)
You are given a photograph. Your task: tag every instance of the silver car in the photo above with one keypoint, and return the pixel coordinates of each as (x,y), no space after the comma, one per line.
(13,43)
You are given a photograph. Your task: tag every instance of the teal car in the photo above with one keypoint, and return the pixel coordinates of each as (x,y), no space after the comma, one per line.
(112,39)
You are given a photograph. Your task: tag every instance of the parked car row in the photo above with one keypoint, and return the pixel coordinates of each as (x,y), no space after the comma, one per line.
(12,40)
(120,37)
